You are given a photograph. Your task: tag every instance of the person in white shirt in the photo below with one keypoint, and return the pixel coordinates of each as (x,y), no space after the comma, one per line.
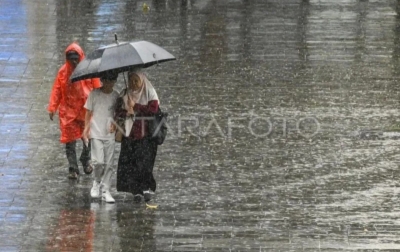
(100,130)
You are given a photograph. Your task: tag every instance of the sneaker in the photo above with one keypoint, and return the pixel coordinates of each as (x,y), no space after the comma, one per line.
(106,196)
(146,196)
(137,198)
(95,191)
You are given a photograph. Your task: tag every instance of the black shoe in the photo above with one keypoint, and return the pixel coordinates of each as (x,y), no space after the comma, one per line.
(137,198)
(146,196)
(73,173)
(88,169)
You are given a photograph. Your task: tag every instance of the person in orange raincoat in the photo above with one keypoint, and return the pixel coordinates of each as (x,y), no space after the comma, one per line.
(69,98)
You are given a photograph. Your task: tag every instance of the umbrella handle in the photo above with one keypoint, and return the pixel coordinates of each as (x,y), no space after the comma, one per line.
(123,74)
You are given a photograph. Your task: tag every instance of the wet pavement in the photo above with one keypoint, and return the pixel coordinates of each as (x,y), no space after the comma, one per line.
(283,127)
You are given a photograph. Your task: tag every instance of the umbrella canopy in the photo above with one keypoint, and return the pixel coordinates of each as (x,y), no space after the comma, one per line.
(120,57)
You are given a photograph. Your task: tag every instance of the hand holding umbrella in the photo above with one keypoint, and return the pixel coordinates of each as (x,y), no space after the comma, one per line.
(131,104)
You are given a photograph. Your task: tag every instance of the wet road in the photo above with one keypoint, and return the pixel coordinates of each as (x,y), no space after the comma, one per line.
(281,132)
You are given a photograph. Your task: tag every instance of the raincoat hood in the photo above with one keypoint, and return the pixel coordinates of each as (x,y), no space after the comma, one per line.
(75,47)
(68,66)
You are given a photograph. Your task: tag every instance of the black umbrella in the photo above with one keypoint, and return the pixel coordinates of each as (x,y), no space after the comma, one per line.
(120,57)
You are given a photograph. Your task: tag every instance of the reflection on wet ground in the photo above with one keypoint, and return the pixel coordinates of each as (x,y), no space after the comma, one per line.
(283,130)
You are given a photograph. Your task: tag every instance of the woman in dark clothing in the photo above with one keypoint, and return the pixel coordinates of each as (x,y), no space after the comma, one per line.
(138,151)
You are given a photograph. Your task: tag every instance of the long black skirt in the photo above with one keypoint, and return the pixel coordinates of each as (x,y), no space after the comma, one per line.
(135,166)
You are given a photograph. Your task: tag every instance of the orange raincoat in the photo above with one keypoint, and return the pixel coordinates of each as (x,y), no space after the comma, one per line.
(69,98)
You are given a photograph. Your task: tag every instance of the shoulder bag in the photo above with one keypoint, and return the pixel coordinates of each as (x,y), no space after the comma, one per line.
(158,127)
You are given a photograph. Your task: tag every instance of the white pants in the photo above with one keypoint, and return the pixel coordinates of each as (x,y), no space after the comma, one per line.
(102,156)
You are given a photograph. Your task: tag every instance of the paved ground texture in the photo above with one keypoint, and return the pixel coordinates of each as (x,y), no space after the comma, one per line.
(283,127)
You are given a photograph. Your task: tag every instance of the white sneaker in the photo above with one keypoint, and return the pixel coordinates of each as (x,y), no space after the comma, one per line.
(106,196)
(95,191)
